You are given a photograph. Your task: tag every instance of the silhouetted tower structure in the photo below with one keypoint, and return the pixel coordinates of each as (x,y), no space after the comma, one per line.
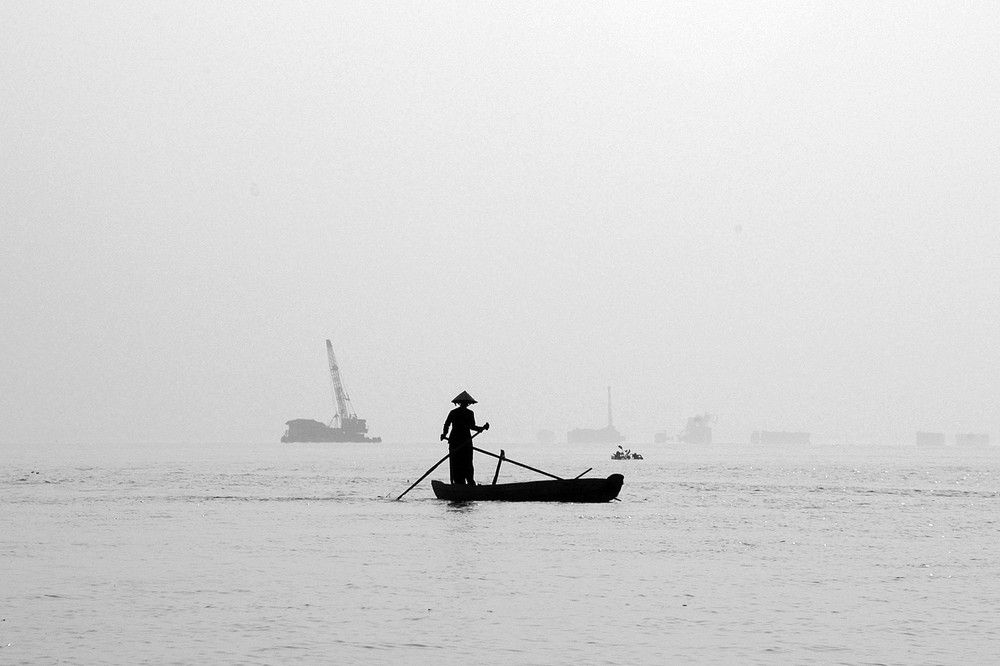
(607,434)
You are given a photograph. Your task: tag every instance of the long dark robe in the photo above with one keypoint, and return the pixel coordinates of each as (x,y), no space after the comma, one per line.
(462,422)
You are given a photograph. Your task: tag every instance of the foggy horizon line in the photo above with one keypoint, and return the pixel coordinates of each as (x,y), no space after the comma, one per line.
(821,440)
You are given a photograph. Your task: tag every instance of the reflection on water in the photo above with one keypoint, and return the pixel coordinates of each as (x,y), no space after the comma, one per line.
(270,554)
(462,507)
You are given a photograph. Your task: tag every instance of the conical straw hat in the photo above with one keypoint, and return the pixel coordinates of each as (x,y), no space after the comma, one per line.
(464,397)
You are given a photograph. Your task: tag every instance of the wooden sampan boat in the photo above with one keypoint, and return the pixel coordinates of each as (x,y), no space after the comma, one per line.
(555,490)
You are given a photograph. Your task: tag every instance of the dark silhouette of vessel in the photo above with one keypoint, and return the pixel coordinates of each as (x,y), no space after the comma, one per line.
(698,429)
(972,439)
(350,428)
(930,438)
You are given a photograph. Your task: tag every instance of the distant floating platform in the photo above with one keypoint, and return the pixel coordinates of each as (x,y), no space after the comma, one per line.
(308,430)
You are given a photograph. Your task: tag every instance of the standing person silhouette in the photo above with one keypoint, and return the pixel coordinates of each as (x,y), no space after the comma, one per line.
(462,422)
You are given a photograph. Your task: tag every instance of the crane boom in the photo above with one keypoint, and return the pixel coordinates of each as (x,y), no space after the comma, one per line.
(344,408)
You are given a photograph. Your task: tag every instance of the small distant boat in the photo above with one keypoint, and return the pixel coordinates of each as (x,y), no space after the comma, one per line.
(555,490)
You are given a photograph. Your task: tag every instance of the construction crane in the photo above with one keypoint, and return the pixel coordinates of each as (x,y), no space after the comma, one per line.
(345,411)
(351,429)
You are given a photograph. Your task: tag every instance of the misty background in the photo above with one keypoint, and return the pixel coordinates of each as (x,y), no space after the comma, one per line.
(781,213)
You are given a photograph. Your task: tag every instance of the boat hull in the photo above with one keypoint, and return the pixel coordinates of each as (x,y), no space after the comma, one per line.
(307,430)
(345,438)
(563,490)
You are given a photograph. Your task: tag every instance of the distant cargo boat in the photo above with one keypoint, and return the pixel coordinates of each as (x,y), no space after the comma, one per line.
(607,435)
(351,428)
(972,439)
(698,429)
(930,438)
(308,430)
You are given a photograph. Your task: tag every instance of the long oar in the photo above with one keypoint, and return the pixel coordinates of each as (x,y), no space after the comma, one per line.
(514,462)
(436,466)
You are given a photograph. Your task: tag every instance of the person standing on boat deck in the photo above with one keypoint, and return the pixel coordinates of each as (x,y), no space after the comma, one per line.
(462,422)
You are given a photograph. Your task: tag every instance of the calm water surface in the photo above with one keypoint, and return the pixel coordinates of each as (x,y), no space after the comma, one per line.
(278,554)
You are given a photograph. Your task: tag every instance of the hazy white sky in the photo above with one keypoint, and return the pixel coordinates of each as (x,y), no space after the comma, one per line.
(784,213)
